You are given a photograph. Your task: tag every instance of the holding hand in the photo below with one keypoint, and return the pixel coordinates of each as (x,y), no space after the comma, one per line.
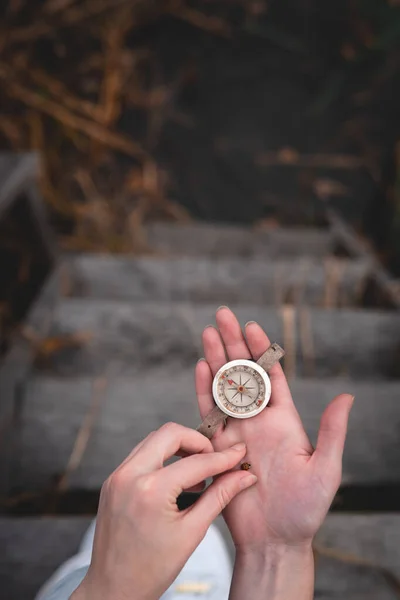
(280,515)
(142,540)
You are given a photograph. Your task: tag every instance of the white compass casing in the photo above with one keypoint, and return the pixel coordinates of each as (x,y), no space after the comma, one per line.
(248,367)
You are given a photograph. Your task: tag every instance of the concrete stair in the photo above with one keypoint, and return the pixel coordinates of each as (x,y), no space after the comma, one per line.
(215,241)
(140,320)
(141,334)
(298,280)
(130,408)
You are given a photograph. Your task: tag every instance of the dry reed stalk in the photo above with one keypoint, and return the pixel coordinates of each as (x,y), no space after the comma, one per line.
(93,8)
(113,80)
(91,129)
(353,559)
(213,25)
(84,433)
(288,313)
(58,90)
(71,16)
(54,6)
(290,157)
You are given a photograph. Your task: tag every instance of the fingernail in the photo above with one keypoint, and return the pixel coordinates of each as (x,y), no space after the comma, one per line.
(248,480)
(222,306)
(211,325)
(251,323)
(201,360)
(239,447)
(351,396)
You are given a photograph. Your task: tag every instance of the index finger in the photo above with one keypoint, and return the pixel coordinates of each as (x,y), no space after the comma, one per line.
(165,443)
(189,471)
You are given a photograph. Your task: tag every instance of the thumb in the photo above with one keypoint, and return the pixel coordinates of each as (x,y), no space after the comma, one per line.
(332,433)
(218,495)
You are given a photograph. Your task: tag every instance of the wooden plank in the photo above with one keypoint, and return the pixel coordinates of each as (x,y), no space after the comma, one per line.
(31,549)
(300,280)
(16,368)
(358,248)
(210,239)
(347,342)
(132,407)
(370,538)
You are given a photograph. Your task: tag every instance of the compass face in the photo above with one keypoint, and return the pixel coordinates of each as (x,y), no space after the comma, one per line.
(241,389)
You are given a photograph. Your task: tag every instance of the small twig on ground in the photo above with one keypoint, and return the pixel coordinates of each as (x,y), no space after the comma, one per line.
(45,348)
(334,269)
(289,339)
(352,559)
(84,433)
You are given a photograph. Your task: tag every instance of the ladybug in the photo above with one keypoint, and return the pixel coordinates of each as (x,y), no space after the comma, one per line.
(245,466)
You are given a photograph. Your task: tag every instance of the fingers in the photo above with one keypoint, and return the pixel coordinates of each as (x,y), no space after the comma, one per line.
(167,442)
(218,495)
(214,350)
(231,334)
(204,378)
(231,339)
(258,342)
(199,487)
(190,471)
(332,434)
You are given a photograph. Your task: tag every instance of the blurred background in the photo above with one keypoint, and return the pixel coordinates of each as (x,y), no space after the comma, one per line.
(160,158)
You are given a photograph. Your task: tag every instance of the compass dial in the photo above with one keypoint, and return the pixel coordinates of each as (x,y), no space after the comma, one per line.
(241,388)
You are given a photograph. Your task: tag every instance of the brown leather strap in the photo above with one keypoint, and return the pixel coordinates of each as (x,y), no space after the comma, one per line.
(271,357)
(213,420)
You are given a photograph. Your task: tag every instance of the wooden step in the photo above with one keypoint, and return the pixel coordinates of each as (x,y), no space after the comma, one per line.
(31,549)
(210,239)
(129,408)
(223,280)
(325,343)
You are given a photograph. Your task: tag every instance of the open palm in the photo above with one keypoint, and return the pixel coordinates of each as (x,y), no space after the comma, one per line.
(296,484)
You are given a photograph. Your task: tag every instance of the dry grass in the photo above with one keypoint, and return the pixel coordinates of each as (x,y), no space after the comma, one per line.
(100,183)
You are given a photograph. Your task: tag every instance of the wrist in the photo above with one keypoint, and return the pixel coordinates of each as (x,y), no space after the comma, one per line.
(276,571)
(274,551)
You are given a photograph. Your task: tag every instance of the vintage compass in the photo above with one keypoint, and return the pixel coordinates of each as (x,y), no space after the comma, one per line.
(241,389)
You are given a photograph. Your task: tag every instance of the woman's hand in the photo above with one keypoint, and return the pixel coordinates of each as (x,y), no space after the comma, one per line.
(296,484)
(142,540)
